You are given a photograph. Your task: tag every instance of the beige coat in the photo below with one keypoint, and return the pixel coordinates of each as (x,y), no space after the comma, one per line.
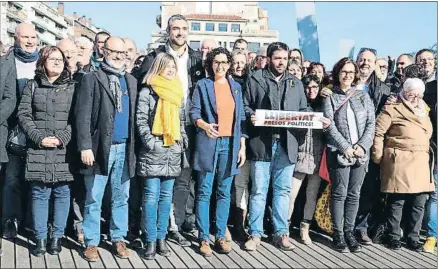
(401,147)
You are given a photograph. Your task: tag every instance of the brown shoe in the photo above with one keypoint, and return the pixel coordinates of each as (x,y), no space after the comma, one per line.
(363,238)
(204,248)
(91,254)
(222,246)
(252,243)
(283,243)
(120,250)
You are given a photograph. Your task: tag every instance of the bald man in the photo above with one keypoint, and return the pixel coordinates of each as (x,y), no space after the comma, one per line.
(207,46)
(16,69)
(68,47)
(104,120)
(131,53)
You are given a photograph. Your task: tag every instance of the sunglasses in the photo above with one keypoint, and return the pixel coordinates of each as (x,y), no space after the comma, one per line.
(373,51)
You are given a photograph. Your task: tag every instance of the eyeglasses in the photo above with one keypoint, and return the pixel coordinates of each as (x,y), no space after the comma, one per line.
(54,60)
(413,96)
(122,53)
(345,73)
(373,51)
(312,87)
(384,67)
(220,63)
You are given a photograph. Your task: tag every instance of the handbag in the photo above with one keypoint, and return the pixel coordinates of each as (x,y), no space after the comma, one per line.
(323,216)
(305,159)
(323,166)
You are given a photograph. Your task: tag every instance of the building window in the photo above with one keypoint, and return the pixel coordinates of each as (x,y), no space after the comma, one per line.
(235,27)
(195,45)
(223,27)
(253,46)
(231,44)
(220,43)
(225,44)
(209,27)
(266,44)
(196,26)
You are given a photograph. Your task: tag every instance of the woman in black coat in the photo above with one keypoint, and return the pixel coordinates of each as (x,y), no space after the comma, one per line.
(44,114)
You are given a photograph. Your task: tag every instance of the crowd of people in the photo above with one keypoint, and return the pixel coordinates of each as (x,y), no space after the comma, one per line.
(95,139)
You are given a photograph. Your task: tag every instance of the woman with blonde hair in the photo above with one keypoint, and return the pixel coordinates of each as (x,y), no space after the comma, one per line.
(160,126)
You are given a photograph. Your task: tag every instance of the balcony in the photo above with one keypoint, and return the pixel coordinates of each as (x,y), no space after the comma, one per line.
(16,15)
(45,10)
(17,4)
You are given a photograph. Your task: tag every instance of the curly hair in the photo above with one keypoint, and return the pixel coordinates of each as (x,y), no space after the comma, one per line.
(338,67)
(44,56)
(210,58)
(313,65)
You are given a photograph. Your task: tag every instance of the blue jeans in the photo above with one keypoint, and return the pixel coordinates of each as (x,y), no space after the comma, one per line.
(157,200)
(40,208)
(281,170)
(95,187)
(222,167)
(431,209)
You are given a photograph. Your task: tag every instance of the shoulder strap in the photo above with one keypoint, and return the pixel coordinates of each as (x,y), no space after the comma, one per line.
(350,94)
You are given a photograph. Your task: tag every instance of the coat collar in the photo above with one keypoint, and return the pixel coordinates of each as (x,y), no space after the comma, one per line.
(103,79)
(408,114)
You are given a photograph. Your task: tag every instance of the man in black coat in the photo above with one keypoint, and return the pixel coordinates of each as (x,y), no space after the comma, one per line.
(190,70)
(104,111)
(17,68)
(273,151)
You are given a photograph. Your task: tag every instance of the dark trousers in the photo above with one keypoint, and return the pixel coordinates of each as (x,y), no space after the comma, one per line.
(184,189)
(371,208)
(41,194)
(135,204)
(396,201)
(346,185)
(77,203)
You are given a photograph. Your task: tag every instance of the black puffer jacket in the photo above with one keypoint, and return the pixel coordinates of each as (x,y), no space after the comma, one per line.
(45,110)
(155,160)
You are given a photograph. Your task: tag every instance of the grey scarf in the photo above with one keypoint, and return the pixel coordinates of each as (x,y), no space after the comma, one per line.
(114,79)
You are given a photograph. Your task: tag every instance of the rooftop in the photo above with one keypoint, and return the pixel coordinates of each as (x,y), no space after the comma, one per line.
(223,17)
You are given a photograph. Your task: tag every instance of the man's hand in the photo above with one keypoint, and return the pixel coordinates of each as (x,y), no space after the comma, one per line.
(349,153)
(241,157)
(358,151)
(253,119)
(87,157)
(326,122)
(391,58)
(392,99)
(326,92)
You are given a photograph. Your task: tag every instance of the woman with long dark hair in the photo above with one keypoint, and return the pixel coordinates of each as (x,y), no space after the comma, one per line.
(45,114)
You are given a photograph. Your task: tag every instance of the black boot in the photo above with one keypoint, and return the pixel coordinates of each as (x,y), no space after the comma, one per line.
(55,246)
(179,239)
(352,243)
(150,251)
(242,235)
(339,243)
(40,248)
(414,245)
(162,248)
(394,244)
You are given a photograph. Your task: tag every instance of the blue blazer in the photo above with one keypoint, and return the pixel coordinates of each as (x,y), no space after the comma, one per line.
(204,107)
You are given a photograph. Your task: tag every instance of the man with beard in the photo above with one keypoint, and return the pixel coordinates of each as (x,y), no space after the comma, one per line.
(131,54)
(17,68)
(97,56)
(273,151)
(104,117)
(426,58)
(190,70)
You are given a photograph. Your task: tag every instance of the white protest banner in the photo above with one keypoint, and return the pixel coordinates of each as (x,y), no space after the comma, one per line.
(288,119)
